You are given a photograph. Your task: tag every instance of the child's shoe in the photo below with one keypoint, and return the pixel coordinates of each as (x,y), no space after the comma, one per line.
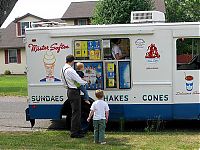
(102,143)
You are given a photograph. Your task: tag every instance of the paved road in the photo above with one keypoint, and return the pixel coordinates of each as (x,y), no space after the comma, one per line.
(12,116)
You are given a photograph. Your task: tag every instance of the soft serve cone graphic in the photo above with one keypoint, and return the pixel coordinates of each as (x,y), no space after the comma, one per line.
(49,63)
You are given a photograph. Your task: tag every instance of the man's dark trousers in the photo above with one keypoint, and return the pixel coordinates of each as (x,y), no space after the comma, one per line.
(75,101)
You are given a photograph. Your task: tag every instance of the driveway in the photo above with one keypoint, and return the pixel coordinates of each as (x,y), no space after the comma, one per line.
(12,116)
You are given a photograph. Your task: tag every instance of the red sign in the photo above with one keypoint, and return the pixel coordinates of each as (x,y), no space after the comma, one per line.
(152,52)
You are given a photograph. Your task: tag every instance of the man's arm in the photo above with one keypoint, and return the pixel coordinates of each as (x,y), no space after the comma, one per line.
(77,78)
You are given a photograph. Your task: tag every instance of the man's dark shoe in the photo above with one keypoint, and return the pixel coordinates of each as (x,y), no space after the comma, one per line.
(82,132)
(77,136)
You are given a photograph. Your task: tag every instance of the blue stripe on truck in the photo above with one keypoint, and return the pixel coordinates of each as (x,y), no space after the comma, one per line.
(155,111)
(128,111)
(45,111)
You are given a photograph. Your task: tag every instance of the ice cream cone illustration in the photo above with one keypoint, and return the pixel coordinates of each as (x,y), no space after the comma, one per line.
(49,63)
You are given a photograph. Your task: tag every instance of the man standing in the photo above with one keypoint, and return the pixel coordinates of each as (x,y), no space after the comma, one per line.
(70,78)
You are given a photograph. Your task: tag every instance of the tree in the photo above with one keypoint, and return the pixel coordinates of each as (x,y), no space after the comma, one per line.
(182,10)
(118,11)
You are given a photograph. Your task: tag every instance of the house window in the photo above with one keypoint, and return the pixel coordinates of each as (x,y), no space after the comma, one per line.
(82,21)
(21,27)
(12,55)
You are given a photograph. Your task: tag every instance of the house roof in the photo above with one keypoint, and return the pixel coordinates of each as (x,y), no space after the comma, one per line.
(79,10)
(28,15)
(85,9)
(8,38)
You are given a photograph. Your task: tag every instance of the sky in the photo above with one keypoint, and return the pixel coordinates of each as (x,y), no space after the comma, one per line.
(47,9)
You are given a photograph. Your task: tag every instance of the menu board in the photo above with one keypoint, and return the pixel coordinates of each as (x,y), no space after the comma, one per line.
(110,70)
(90,50)
(93,74)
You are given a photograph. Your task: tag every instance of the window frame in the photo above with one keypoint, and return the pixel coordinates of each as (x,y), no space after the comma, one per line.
(21,28)
(79,21)
(192,57)
(104,61)
(12,57)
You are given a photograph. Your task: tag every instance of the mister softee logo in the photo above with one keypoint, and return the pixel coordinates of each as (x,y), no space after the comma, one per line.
(53,47)
(152,55)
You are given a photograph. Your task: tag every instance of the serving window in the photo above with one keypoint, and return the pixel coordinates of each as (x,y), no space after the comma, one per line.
(122,43)
(101,69)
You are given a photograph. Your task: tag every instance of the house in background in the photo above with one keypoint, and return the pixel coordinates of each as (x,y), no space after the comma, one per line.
(12,53)
(80,13)
(12,47)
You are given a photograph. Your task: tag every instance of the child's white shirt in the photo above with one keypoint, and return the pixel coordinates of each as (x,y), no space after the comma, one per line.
(99,107)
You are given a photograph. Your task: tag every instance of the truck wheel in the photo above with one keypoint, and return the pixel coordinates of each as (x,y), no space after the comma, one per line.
(66,110)
(85,108)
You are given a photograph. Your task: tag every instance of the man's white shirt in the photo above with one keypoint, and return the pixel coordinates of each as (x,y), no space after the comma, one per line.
(71,77)
(116,50)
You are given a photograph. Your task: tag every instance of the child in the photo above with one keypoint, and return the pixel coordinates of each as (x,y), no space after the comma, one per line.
(100,113)
(79,70)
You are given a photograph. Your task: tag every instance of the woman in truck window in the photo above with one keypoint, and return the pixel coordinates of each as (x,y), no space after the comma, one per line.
(116,50)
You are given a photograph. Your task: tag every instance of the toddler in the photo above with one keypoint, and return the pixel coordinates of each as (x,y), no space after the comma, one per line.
(100,112)
(79,70)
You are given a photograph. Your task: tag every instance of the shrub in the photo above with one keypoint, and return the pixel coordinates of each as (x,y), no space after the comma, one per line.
(7,72)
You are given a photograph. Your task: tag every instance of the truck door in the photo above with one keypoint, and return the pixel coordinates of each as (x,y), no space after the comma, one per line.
(186,78)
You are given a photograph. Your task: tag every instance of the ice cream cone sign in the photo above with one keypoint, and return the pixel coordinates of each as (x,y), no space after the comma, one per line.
(49,61)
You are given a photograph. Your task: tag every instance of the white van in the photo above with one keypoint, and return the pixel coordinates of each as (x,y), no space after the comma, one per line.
(159,77)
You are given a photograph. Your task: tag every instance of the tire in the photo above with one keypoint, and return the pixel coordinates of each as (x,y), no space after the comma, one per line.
(85,110)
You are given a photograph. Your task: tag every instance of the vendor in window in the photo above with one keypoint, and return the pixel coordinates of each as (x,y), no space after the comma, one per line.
(116,50)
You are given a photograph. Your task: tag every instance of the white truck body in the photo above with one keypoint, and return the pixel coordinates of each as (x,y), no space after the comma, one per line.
(153,87)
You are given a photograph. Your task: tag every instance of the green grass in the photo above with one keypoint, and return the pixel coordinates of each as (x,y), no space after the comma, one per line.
(13,85)
(16,85)
(44,140)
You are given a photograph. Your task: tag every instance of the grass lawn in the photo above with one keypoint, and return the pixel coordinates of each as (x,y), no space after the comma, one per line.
(13,85)
(16,85)
(184,140)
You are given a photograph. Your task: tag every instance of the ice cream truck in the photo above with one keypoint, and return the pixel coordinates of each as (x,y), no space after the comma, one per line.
(159,77)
